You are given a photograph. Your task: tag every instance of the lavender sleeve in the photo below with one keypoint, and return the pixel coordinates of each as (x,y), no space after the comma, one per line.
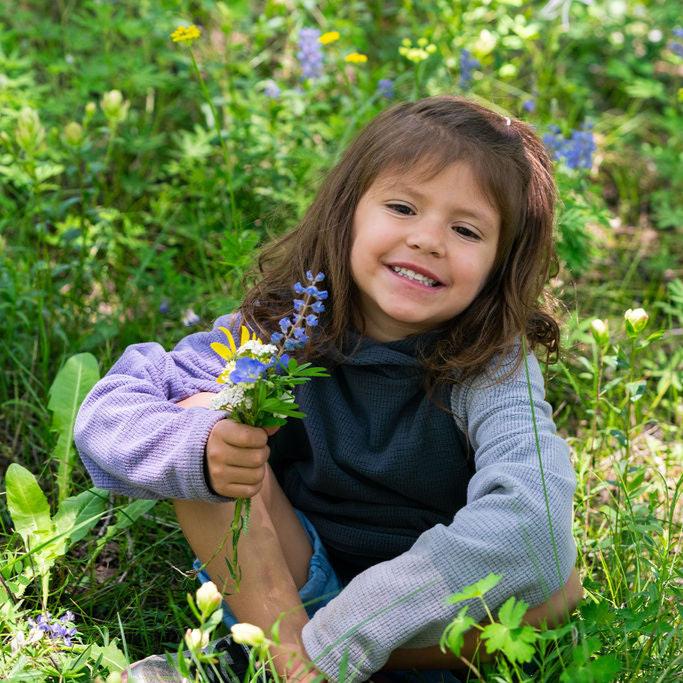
(134,439)
(517,523)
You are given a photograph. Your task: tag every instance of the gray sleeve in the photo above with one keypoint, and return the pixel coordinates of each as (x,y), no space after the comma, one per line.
(517,523)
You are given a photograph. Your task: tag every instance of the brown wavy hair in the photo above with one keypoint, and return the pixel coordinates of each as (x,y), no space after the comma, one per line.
(511,165)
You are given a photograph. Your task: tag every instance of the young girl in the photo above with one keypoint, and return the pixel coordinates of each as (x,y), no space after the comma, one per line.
(428,458)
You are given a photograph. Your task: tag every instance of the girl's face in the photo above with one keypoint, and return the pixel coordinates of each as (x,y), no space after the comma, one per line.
(421,251)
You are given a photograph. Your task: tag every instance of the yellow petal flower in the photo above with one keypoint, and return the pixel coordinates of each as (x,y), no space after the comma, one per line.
(186,34)
(231,341)
(329,37)
(356,58)
(222,350)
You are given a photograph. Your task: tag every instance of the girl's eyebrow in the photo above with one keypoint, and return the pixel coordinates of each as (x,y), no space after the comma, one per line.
(488,218)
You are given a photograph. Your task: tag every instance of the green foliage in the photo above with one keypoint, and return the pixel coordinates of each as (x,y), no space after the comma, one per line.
(67,392)
(120,214)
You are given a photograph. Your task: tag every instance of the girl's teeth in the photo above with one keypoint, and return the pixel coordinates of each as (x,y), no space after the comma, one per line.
(414,276)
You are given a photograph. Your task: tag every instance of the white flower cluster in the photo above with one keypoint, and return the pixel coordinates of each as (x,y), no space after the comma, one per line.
(230,396)
(257,349)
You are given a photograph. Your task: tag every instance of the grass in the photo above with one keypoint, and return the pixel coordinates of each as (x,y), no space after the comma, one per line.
(110,235)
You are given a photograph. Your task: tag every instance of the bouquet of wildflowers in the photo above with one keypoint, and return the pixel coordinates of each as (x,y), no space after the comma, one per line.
(259,378)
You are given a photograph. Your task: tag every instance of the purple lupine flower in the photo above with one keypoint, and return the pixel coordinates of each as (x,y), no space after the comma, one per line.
(678,32)
(164,307)
(467,64)
(578,152)
(385,88)
(247,370)
(310,55)
(272,90)
(553,140)
(293,329)
(676,48)
(529,105)
(61,629)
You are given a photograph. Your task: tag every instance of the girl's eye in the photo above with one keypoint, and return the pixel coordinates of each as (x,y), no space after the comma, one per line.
(400,208)
(466,232)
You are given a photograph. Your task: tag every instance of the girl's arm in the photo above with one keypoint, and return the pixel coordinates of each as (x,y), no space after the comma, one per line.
(131,435)
(517,523)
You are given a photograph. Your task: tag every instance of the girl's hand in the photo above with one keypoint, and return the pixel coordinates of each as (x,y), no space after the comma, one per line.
(236,454)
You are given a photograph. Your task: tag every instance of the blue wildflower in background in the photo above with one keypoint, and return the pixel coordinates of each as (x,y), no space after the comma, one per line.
(385,88)
(272,90)
(529,105)
(310,55)
(676,46)
(164,307)
(467,65)
(577,151)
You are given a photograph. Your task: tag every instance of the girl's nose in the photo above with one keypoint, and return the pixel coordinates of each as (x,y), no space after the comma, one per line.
(428,236)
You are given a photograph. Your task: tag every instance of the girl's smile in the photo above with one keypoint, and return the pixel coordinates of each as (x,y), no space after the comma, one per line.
(422,250)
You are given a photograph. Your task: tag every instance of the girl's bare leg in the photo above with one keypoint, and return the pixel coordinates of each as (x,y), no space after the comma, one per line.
(274,560)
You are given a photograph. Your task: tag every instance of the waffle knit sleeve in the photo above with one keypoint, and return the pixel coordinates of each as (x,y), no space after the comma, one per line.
(517,523)
(134,439)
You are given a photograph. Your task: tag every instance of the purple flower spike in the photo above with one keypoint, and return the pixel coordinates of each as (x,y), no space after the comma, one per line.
(312,320)
(385,88)
(318,307)
(310,55)
(299,288)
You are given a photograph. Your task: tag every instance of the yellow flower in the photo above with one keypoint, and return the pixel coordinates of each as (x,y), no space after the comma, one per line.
(356,58)
(228,353)
(186,34)
(329,37)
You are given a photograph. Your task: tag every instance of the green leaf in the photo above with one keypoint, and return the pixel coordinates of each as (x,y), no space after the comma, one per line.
(512,611)
(112,657)
(475,590)
(73,382)
(453,636)
(515,644)
(78,514)
(27,503)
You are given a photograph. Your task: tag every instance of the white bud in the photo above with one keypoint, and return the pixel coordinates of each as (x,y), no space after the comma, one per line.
(29,132)
(196,638)
(600,331)
(114,106)
(635,320)
(208,598)
(248,634)
(73,133)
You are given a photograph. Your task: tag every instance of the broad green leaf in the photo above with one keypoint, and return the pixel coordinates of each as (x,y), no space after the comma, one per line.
(453,636)
(67,392)
(112,657)
(475,590)
(515,644)
(27,503)
(128,515)
(512,611)
(78,514)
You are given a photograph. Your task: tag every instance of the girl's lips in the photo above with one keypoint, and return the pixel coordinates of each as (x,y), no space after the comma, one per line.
(413,283)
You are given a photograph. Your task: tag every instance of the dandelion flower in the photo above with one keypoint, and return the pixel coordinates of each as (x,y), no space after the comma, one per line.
(356,58)
(186,34)
(329,37)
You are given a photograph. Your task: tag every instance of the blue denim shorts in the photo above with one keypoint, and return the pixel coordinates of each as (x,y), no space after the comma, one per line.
(323,585)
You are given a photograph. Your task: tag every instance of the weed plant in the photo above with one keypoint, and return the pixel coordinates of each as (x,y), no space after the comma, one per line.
(137,178)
